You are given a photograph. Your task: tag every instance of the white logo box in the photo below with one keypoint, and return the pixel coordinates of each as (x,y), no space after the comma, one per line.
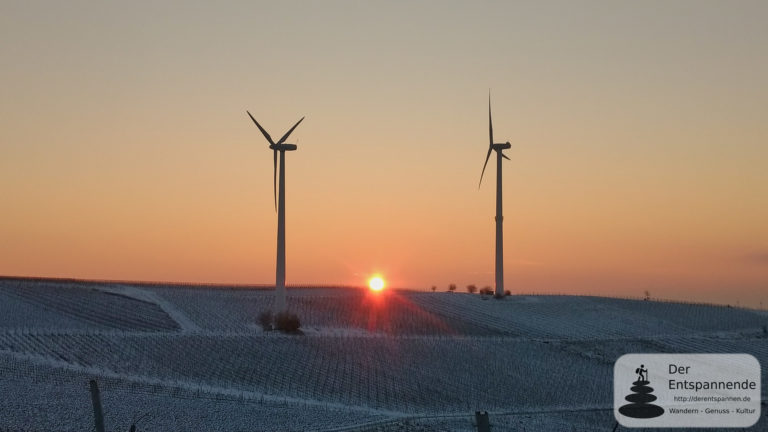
(686,390)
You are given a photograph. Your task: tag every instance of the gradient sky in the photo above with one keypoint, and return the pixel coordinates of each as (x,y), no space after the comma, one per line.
(639,133)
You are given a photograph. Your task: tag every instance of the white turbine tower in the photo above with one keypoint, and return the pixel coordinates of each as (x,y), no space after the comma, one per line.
(498,147)
(281,147)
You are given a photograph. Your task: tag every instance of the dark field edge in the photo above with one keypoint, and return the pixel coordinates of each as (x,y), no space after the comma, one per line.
(168,284)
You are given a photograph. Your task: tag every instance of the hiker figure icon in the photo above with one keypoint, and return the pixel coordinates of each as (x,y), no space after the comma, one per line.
(642,373)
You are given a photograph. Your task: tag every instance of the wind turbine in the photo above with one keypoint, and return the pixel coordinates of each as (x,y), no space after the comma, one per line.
(282,147)
(498,147)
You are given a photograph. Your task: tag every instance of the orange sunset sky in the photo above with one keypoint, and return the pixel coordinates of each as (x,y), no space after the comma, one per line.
(639,136)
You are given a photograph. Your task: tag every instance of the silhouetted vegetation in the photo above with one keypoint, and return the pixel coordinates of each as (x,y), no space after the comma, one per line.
(646,295)
(451,287)
(471,289)
(486,290)
(507,293)
(284,321)
(287,322)
(434,288)
(265,319)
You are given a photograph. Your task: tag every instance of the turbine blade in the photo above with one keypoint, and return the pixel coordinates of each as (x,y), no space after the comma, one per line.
(274,176)
(285,137)
(505,156)
(490,122)
(488,156)
(266,135)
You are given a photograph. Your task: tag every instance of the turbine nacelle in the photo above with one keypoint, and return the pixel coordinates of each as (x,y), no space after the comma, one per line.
(501,146)
(283,147)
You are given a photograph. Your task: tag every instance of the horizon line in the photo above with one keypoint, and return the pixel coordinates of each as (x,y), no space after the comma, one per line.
(258,286)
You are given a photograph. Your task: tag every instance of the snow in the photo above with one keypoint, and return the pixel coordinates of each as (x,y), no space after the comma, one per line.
(102,309)
(186,324)
(404,361)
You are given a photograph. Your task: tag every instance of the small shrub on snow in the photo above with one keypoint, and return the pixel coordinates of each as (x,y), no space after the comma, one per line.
(287,322)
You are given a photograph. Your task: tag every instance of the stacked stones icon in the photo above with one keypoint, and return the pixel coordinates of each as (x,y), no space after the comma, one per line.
(640,405)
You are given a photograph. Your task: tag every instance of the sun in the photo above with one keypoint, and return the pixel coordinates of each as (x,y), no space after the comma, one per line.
(376,283)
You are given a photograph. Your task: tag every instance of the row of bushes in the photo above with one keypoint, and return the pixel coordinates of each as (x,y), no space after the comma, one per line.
(486,290)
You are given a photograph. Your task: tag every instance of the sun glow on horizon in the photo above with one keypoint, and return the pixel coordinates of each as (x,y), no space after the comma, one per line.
(376,283)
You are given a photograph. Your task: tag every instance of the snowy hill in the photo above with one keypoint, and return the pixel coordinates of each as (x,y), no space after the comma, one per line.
(195,358)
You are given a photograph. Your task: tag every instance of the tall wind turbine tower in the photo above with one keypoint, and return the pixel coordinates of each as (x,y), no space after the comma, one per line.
(281,147)
(498,148)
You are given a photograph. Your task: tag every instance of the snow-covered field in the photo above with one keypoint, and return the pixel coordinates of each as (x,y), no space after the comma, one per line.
(195,358)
